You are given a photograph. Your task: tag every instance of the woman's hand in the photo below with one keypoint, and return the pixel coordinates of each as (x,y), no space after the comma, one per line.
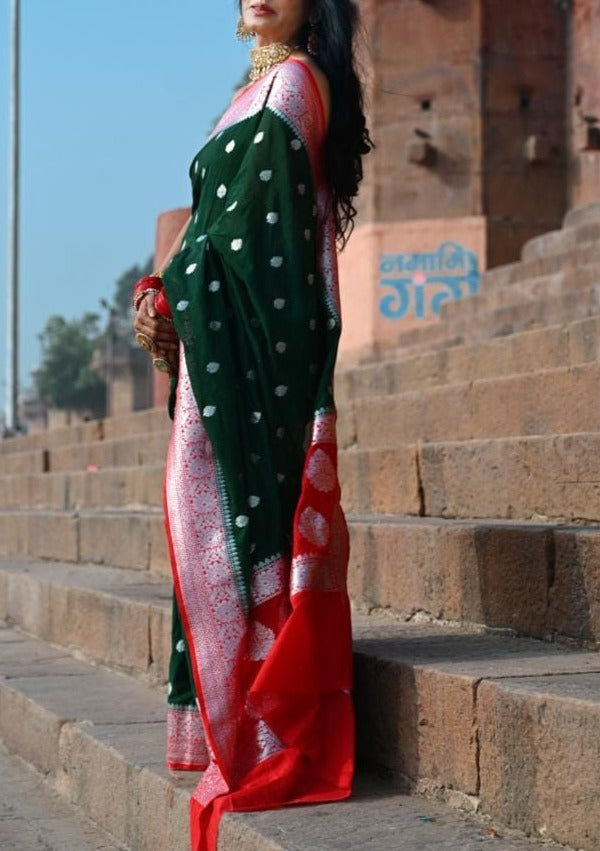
(162,332)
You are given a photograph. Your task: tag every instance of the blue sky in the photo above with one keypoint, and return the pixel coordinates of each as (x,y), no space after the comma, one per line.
(117,96)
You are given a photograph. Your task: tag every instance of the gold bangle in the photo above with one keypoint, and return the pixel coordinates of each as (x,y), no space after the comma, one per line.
(145,342)
(160,364)
(140,296)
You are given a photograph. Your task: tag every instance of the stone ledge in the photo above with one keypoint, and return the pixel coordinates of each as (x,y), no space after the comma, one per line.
(34,818)
(99,739)
(102,739)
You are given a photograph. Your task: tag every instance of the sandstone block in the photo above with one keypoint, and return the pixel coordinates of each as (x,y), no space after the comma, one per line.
(159,552)
(382,481)
(539,758)
(94,778)
(550,477)
(481,573)
(117,539)
(53,535)
(29,729)
(574,594)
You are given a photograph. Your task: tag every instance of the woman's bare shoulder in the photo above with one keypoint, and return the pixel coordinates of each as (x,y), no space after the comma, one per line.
(321,79)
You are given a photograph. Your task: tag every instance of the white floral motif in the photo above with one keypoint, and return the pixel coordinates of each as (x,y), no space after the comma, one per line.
(255,417)
(259,137)
(241,521)
(209,410)
(236,244)
(261,640)
(191,269)
(266,175)
(232,207)
(215,325)
(281,390)
(272,218)
(214,286)
(321,472)
(180,646)
(311,280)
(268,742)
(222,191)
(302,188)
(230,146)
(296,144)
(314,527)
(253,501)
(280,347)
(279,303)
(181,305)
(213,367)
(276,262)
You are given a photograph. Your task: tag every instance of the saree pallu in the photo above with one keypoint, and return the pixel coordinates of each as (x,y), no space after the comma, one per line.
(261,670)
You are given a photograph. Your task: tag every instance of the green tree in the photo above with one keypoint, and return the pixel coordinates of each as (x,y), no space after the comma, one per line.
(125,284)
(65,378)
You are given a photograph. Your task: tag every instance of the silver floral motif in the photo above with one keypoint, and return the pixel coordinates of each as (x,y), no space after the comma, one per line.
(321,471)
(314,527)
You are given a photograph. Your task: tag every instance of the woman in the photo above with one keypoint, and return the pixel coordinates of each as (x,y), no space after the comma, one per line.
(260,677)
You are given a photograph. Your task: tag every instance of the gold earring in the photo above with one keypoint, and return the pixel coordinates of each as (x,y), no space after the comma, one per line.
(242,32)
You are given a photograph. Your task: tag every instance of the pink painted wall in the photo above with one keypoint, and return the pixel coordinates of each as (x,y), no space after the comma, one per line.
(411,257)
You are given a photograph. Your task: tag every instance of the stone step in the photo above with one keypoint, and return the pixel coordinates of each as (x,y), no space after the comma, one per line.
(33,817)
(116,487)
(555,401)
(551,310)
(122,538)
(79,433)
(140,423)
(535,577)
(561,241)
(567,279)
(539,579)
(549,477)
(97,455)
(528,351)
(588,213)
(439,709)
(579,254)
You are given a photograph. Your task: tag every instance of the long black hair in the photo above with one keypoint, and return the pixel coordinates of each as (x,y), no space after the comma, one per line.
(332,30)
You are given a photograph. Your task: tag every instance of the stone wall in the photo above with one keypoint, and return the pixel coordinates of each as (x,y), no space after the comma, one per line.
(584,103)
(466,105)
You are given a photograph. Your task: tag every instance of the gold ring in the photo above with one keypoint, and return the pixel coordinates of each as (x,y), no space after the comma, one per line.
(160,364)
(145,342)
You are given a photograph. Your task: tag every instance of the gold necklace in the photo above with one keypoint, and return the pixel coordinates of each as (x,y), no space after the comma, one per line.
(262,59)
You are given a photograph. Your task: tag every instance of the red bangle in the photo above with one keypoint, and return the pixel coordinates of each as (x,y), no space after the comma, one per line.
(162,306)
(148,282)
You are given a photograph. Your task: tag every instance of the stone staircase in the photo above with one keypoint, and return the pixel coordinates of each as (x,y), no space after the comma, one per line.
(471,478)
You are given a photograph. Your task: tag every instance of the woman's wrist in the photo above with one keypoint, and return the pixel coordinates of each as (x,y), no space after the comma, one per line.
(147,284)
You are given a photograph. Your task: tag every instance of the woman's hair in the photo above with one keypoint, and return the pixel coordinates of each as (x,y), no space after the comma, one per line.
(334,24)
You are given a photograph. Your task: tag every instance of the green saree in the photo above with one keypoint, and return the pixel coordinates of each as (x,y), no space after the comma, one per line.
(261,667)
